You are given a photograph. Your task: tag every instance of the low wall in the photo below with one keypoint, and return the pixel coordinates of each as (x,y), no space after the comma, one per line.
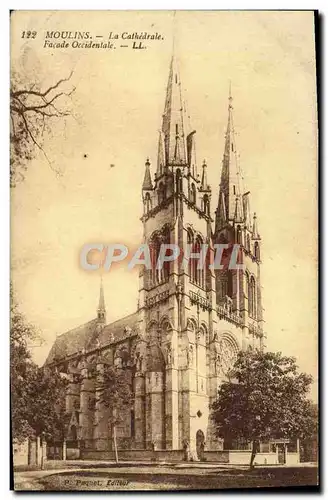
(221,456)
(237,457)
(240,457)
(292,458)
(20,453)
(158,456)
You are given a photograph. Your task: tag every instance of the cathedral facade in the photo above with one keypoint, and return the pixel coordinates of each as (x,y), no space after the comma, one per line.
(190,323)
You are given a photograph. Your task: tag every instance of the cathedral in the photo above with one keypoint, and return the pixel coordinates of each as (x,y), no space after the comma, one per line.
(190,322)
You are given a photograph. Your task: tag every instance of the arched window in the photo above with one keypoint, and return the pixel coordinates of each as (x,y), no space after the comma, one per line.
(158,276)
(190,241)
(257,250)
(239,235)
(252,297)
(193,193)
(155,245)
(147,202)
(198,273)
(247,280)
(248,243)
(206,204)
(166,265)
(178,181)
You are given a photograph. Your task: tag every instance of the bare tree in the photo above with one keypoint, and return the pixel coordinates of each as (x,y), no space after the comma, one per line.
(31,113)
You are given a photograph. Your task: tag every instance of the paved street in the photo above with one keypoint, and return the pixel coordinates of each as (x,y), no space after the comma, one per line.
(164,477)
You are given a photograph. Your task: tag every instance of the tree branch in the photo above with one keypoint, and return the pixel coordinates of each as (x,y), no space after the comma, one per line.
(41,94)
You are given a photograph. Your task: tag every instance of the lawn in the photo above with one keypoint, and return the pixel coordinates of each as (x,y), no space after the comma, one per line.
(172,479)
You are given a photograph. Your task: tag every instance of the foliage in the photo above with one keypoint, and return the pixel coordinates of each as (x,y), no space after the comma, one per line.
(32,111)
(35,391)
(21,367)
(115,391)
(265,398)
(45,389)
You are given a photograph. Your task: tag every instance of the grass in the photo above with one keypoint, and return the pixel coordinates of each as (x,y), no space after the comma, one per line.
(170,479)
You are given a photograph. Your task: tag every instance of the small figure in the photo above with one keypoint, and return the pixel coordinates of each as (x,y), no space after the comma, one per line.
(186,448)
(127,330)
(169,355)
(190,355)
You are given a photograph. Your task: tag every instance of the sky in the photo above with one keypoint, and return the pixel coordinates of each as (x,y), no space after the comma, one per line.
(116,115)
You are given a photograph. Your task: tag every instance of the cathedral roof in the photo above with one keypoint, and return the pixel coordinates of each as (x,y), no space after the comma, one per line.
(79,338)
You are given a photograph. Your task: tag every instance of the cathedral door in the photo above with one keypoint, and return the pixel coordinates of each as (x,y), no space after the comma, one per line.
(200,444)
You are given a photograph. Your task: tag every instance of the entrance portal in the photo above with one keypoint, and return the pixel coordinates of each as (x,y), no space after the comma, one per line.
(200,444)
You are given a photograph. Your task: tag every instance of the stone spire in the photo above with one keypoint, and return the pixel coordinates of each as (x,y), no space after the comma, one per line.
(238,211)
(101,311)
(147,183)
(204,184)
(173,124)
(255,232)
(230,188)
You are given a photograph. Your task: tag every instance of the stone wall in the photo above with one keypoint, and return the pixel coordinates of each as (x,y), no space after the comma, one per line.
(135,455)
(20,453)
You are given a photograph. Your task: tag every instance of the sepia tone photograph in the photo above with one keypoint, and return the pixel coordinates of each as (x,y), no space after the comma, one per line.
(164,258)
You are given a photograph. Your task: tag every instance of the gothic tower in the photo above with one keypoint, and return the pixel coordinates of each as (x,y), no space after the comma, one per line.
(241,288)
(176,303)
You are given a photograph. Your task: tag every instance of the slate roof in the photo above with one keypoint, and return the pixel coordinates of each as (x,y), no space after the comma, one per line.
(75,340)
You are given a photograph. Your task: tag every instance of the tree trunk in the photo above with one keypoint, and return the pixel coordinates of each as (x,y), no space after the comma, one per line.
(42,458)
(64,449)
(253,454)
(115,444)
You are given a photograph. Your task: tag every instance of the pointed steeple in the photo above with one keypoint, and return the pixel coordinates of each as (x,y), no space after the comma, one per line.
(238,211)
(147,183)
(204,184)
(101,311)
(173,124)
(231,174)
(255,232)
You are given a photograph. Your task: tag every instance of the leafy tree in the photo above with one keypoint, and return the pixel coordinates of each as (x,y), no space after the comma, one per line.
(45,388)
(32,112)
(114,391)
(35,391)
(21,368)
(264,398)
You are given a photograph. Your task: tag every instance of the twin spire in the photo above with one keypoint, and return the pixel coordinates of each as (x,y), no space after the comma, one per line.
(173,123)
(233,203)
(176,146)
(176,142)
(230,206)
